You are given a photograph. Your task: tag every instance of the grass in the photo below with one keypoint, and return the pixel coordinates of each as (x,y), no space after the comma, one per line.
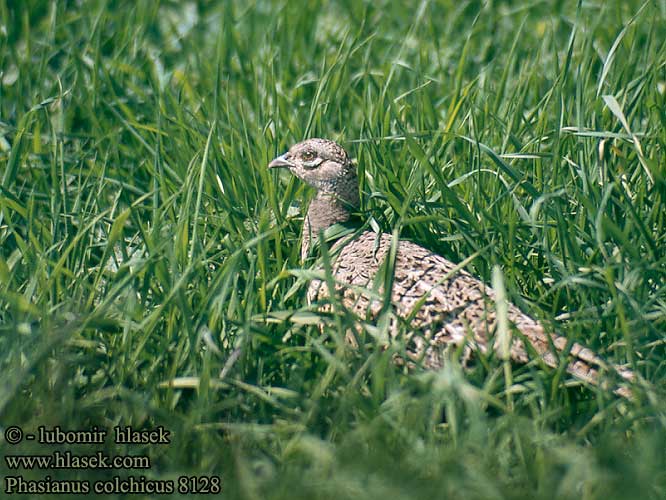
(149,262)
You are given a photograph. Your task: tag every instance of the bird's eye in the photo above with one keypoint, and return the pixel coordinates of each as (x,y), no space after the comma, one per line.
(308,155)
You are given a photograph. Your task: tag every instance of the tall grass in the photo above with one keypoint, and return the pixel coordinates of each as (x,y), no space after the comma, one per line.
(149,262)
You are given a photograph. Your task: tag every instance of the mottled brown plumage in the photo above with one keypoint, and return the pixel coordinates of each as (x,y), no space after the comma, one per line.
(444,305)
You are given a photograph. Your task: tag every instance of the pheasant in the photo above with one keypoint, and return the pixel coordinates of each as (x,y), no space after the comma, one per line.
(443,304)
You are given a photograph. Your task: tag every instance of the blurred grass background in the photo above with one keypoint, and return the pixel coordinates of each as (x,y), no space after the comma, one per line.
(149,262)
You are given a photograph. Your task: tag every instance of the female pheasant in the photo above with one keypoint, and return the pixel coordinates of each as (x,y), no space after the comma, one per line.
(443,304)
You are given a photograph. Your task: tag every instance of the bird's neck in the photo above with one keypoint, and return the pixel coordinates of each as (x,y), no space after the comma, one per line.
(325,210)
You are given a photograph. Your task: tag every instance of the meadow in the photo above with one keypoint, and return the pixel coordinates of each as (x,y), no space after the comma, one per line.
(150,271)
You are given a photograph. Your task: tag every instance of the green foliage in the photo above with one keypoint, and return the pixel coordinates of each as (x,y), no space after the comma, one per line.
(149,261)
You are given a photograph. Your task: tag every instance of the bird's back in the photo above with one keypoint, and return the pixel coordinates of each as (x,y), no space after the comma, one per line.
(443,306)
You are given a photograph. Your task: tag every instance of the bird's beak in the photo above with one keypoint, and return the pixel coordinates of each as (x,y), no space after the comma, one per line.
(280,162)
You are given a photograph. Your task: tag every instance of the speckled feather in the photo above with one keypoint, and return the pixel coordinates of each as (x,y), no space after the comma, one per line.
(445,306)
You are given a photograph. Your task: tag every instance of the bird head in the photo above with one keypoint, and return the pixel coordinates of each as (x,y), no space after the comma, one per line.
(321,163)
